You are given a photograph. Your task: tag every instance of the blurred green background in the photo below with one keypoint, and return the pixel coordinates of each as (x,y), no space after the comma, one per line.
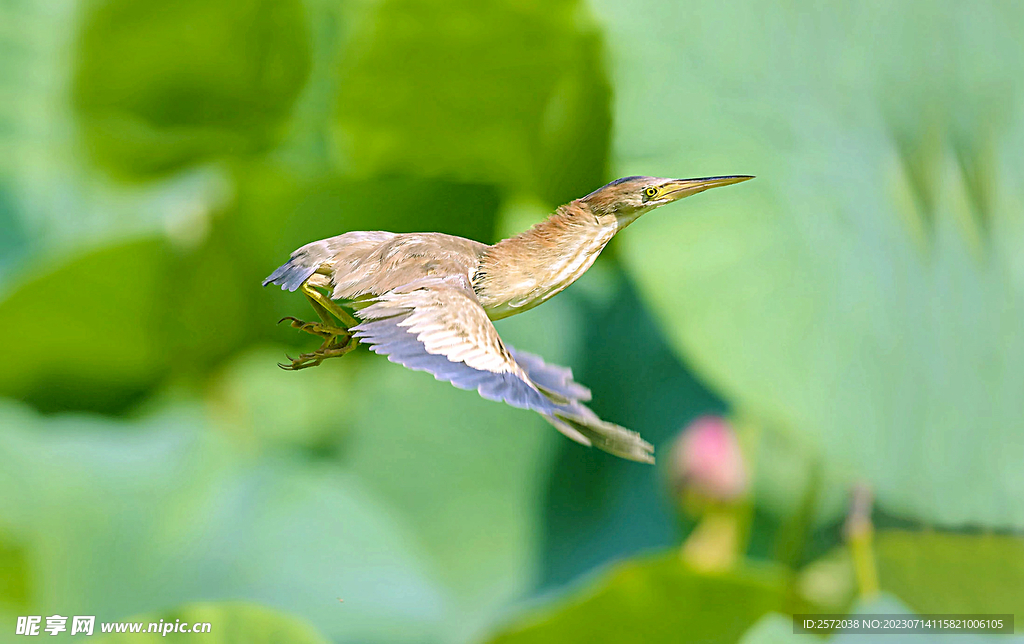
(856,313)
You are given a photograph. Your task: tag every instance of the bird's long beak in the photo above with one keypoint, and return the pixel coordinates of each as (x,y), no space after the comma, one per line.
(679,188)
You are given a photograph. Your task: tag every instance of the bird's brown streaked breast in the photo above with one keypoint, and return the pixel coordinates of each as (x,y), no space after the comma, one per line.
(528,274)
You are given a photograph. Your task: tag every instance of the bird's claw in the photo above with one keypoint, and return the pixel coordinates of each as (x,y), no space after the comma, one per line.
(330,349)
(337,342)
(316,328)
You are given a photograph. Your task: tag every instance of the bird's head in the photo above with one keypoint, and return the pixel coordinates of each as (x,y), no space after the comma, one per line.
(630,197)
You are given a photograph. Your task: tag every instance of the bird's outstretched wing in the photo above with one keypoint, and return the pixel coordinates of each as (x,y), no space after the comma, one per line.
(437,325)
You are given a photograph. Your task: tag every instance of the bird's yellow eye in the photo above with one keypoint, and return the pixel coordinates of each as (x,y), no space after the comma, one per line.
(650,193)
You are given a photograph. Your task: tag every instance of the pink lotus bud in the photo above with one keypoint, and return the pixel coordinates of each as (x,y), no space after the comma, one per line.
(707,461)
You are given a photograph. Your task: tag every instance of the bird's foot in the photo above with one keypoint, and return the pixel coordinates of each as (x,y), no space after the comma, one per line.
(316,328)
(337,342)
(331,348)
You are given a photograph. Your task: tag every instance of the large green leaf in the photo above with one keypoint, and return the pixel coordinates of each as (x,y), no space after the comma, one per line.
(161,85)
(274,408)
(510,93)
(937,572)
(121,518)
(657,599)
(230,623)
(866,290)
(86,331)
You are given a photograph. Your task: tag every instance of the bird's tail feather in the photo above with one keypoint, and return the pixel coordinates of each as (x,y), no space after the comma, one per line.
(588,429)
(299,268)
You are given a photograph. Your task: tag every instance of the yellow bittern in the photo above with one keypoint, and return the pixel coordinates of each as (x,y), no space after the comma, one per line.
(426,300)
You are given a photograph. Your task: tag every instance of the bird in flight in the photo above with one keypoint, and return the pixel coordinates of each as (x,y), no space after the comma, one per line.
(427,301)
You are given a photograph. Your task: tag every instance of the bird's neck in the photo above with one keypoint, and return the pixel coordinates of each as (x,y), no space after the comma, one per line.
(519,273)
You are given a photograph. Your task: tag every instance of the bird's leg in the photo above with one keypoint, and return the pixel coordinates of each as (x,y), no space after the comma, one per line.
(324,304)
(327,328)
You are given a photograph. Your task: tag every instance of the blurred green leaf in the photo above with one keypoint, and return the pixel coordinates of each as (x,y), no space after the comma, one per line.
(254,399)
(123,518)
(159,86)
(505,92)
(866,290)
(656,599)
(98,329)
(937,572)
(86,332)
(230,623)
